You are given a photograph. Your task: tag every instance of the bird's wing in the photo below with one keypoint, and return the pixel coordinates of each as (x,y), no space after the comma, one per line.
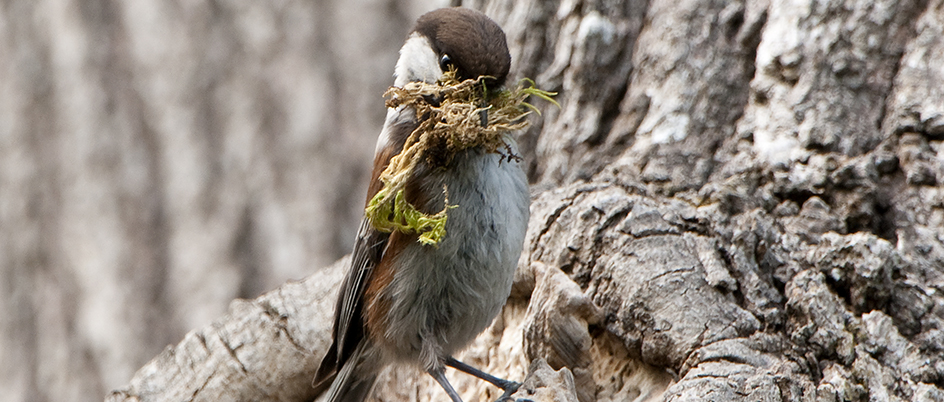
(348,321)
(349,325)
(368,251)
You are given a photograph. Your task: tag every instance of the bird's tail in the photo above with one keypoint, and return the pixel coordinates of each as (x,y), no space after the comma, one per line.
(355,379)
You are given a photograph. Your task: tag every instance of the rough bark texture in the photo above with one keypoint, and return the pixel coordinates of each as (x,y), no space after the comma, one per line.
(737,201)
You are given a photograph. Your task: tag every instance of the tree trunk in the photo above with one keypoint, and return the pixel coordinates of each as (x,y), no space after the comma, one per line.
(735,201)
(160,158)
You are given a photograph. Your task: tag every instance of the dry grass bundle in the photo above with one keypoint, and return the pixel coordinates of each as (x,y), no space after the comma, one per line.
(451,120)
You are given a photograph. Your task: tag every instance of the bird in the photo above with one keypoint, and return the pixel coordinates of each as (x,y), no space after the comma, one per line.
(403,302)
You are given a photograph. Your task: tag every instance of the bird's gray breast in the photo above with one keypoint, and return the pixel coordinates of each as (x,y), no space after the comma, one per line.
(452,291)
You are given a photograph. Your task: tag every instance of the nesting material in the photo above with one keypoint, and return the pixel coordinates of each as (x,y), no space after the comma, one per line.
(450,116)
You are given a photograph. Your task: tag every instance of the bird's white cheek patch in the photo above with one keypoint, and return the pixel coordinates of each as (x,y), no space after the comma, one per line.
(393,116)
(417,62)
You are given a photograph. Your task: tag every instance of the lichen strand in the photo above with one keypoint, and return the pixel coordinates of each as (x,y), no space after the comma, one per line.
(450,115)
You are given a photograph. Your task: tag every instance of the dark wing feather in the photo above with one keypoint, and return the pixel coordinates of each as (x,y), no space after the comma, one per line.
(368,251)
(348,321)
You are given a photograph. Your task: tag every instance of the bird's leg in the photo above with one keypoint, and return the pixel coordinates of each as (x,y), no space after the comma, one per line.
(439,374)
(509,387)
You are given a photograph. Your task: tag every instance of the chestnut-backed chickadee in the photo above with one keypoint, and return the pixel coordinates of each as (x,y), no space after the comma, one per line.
(406,302)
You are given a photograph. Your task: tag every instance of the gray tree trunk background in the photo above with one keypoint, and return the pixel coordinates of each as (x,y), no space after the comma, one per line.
(736,200)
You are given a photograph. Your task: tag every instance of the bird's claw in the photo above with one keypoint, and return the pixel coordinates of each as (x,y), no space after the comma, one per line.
(510,388)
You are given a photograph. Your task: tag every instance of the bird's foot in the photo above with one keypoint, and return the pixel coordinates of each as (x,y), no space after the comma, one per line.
(510,388)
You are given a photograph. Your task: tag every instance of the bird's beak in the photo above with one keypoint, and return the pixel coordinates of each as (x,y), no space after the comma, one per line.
(433,100)
(488,92)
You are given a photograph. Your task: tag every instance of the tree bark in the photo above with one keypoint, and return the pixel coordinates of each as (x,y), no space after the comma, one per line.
(735,201)
(160,158)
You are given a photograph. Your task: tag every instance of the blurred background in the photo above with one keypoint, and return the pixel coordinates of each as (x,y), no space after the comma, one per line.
(160,158)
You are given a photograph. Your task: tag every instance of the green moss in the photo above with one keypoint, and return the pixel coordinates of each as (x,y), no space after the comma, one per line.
(450,126)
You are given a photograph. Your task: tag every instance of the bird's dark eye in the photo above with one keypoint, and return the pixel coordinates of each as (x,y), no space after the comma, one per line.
(445,62)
